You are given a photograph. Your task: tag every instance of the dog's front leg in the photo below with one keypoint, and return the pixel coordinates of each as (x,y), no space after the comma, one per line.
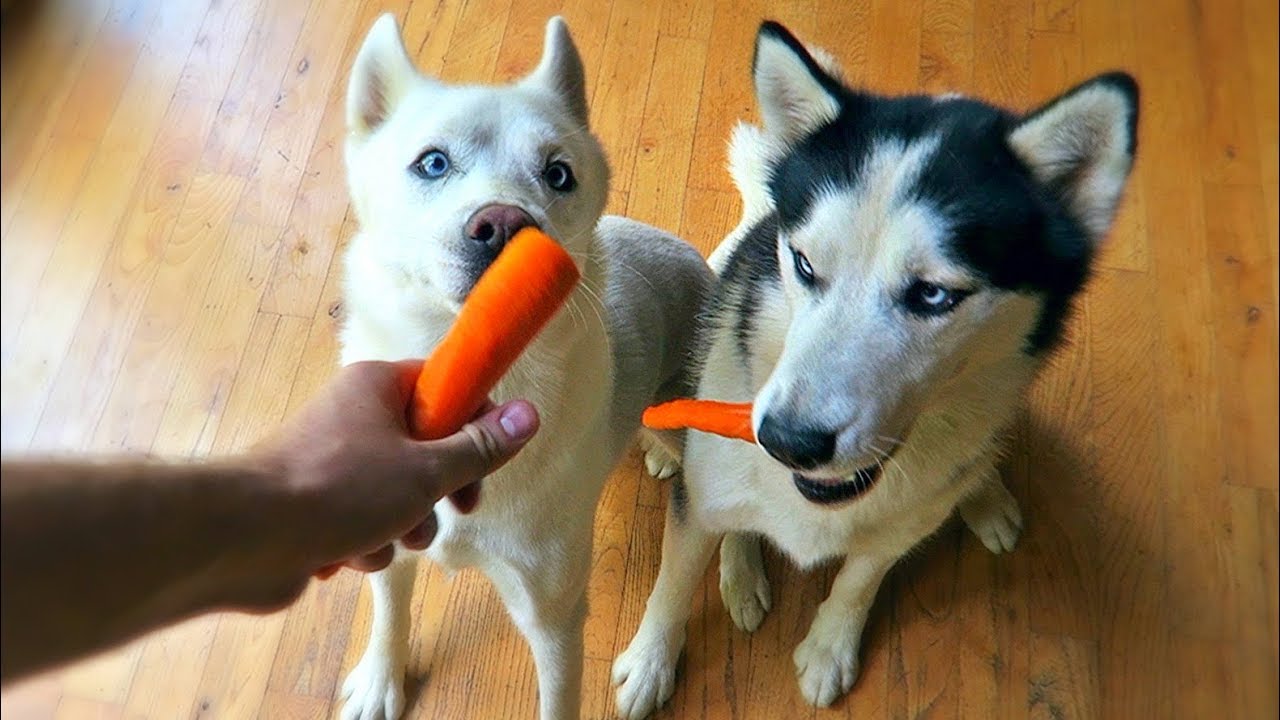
(827,659)
(555,639)
(645,672)
(548,604)
(991,511)
(375,688)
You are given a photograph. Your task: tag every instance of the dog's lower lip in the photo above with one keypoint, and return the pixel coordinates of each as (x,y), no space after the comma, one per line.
(828,491)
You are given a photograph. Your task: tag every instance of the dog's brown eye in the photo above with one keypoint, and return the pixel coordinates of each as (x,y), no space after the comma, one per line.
(559,177)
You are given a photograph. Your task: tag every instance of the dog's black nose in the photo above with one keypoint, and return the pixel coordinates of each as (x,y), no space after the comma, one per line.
(795,445)
(494,225)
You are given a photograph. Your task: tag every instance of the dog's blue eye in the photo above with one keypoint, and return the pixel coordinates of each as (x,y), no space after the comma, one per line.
(804,269)
(559,177)
(927,299)
(433,165)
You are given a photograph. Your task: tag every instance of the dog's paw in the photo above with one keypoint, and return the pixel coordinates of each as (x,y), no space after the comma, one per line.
(826,665)
(645,674)
(657,459)
(744,587)
(373,691)
(994,516)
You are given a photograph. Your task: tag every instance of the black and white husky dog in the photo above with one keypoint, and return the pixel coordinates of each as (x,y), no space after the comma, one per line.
(903,267)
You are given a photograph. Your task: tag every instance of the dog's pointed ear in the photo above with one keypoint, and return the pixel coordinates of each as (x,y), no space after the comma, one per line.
(560,69)
(1081,147)
(381,76)
(795,93)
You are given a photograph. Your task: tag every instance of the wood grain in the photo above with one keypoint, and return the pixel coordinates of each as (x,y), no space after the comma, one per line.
(173,214)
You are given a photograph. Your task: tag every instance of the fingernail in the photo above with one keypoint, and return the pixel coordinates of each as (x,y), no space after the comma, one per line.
(518,421)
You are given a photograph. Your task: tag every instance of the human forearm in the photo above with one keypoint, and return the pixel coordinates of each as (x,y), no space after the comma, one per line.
(168,541)
(95,553)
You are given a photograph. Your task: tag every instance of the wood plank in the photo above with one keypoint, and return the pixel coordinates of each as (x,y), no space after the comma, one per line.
(73,708)
(1131,561)
(1054,15)
(38,223)
(299,107)
(473,55)
(253,89)
(895,27)
(36,697)
(621,86)
(224,335)
(1244,321)
(666,134)
(37,92)
(93,98)
(172,658)
(234,681)
(686,19)
(1063,680)
(726,97)
(1001,40)
(104,678)
(1230,140)
(1258,20)
(928,628)
(255,406)
(610,558)
(99,338)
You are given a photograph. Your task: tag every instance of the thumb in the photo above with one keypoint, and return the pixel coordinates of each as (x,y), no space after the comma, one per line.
(480,447)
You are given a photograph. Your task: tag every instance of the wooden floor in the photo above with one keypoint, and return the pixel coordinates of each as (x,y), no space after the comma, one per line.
(172,208)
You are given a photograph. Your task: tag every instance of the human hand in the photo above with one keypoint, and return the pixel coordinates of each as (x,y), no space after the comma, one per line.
(357,480)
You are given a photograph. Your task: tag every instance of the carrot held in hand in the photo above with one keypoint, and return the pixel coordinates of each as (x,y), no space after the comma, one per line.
(510,303)
(732,420)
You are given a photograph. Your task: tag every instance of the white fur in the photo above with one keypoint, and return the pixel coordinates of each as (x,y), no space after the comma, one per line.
(945,390)
(1084,133)
(589,373)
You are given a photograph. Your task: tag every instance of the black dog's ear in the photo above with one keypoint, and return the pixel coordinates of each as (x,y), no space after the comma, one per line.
(1081,146)
(380,77)
(795,93)
(560,69)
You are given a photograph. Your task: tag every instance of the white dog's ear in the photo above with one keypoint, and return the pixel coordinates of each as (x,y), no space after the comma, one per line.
(381,76)
(1081,147)
(560,69)
(795,93)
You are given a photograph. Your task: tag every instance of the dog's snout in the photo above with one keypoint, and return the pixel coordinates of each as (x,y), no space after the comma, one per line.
(795,445)
(494,225)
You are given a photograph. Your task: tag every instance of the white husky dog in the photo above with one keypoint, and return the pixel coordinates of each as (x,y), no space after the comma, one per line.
(441,177)
(902,269)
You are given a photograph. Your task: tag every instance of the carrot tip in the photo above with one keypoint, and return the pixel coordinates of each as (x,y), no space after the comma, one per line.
(731,420)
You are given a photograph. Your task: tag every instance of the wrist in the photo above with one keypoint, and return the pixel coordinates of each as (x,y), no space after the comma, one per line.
(264,563)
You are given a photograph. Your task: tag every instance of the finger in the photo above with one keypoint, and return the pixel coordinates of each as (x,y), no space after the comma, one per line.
(467,497)
(479,448)
(391,382)
(374,561)
(420,537)
(407,372)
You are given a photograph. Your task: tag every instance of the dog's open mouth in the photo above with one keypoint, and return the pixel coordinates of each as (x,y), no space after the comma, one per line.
(830,491)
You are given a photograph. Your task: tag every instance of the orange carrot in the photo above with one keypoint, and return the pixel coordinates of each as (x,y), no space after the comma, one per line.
(519,293)
(510,303)
(732,420)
